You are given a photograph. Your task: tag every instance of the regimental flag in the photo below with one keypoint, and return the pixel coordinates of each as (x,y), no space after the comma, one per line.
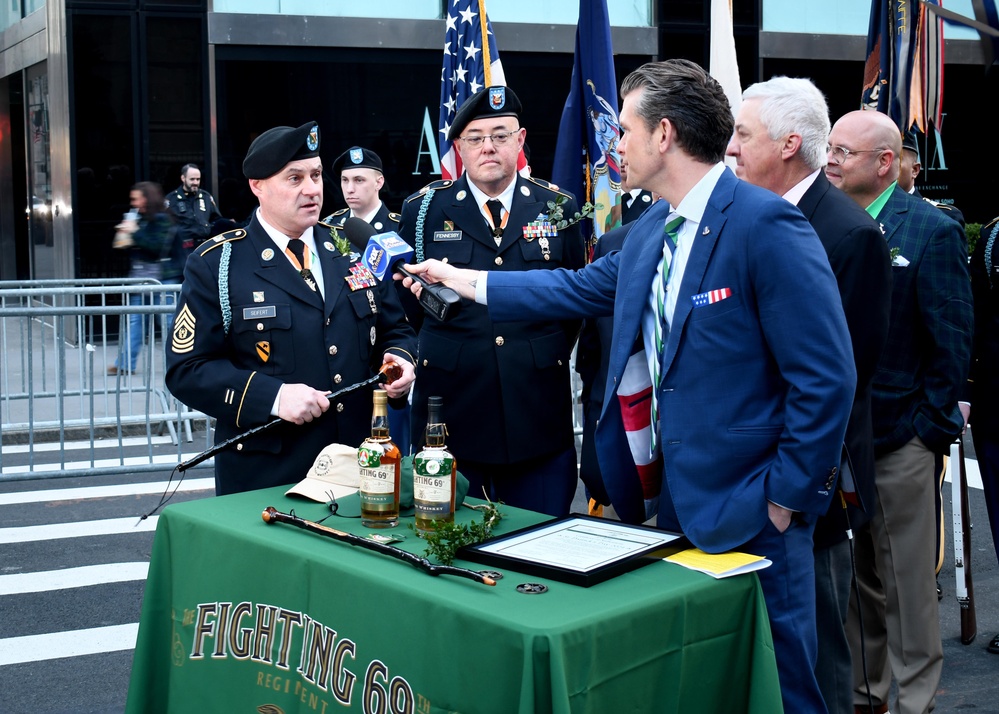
(986,22)
(471,63)
(586,160)
(891,51)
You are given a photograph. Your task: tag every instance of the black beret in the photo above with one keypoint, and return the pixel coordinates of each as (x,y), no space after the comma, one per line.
(490,102)
(275,148)
(909,141)
(357,157)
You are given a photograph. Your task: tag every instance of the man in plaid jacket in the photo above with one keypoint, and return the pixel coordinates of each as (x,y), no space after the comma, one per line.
(915,411)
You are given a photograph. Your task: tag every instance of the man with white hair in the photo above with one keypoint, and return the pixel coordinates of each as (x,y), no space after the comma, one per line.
(780,140)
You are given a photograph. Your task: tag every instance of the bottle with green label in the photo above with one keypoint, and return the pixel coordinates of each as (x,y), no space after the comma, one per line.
(434,470)
(380,462)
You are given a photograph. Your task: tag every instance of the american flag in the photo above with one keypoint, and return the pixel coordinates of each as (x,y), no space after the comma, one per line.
(471,63)
(711,297)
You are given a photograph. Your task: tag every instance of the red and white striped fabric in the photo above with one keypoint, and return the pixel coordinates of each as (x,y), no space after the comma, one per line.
(633,394)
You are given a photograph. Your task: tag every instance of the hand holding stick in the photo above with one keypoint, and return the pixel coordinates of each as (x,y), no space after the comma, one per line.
(272,515)
(388,373)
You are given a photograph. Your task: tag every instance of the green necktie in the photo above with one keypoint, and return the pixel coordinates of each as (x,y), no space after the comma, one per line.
(661,327)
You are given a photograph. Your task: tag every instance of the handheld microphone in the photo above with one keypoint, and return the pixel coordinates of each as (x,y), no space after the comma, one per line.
(386,253)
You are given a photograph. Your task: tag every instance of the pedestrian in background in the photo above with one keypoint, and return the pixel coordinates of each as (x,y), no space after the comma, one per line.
(147,233)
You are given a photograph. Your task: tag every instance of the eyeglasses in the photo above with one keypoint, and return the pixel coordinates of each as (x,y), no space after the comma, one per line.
(497,139)
(841,153)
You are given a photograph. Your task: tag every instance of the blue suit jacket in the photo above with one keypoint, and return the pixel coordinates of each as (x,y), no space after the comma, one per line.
(757,387)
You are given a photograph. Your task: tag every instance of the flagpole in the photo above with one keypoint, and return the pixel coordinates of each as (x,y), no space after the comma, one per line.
(487,69)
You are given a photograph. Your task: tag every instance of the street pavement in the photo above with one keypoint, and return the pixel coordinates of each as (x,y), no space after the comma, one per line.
(73,558)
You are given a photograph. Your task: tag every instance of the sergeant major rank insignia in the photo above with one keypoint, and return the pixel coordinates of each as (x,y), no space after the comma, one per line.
(183,331)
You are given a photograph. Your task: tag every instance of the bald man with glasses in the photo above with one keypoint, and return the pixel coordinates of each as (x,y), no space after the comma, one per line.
(915,414)
(505,386)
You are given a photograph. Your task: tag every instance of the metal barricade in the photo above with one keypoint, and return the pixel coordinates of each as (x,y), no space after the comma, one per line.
(62,413)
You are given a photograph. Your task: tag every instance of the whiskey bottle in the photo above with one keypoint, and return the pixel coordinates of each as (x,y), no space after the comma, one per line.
(434,470)
(379,459)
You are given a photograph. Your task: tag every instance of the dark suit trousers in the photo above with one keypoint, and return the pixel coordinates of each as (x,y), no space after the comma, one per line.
(987,450)
(790,604)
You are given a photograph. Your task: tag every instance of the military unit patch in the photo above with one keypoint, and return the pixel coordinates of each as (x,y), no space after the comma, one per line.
(183,332)
(263,350)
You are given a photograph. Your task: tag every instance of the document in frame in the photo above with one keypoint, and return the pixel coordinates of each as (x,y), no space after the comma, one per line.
(577,549)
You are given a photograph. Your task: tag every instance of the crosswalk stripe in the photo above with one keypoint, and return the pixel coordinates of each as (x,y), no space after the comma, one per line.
(73,643)
(80,577)
(79,529)
(85,492)
(165,460)
(77,445)
(973,472)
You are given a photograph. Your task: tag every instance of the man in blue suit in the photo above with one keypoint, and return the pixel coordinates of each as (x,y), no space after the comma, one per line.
(749,373)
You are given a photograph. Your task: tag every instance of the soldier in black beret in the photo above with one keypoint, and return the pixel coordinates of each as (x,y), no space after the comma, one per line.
(274,316)
(361,180)
(505,386)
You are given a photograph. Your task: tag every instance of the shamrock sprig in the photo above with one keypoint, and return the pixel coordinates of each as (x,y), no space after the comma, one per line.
(340,241)
(446,538)
(556,217)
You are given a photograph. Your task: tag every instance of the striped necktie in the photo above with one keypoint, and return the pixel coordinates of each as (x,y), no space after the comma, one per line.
(297,248)
(661,328)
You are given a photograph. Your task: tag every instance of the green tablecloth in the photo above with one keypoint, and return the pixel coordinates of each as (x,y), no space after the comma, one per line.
(229,598)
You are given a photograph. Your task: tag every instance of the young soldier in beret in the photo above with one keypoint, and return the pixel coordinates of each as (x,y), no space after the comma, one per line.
(361,180)
(273,317)
(507,401)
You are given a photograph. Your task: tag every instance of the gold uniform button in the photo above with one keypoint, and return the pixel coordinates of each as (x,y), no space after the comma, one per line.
(239,447)
(260,327)
(333,349)
(444,259)
(337,378)
(560,363)
(339,407)
(426,362)
(500,341)
(499,260)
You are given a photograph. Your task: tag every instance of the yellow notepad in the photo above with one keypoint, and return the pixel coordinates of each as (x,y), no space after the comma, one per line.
(722,565)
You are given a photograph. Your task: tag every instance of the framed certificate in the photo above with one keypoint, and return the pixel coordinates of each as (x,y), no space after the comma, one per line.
(580,550)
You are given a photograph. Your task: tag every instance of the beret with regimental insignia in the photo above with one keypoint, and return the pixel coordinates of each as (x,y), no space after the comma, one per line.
(357,157)
(490,102)
(275,148)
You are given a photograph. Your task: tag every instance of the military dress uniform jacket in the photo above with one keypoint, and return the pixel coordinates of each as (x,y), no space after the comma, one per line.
(505,385)
(384,221)
(280,332)
(194,214)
